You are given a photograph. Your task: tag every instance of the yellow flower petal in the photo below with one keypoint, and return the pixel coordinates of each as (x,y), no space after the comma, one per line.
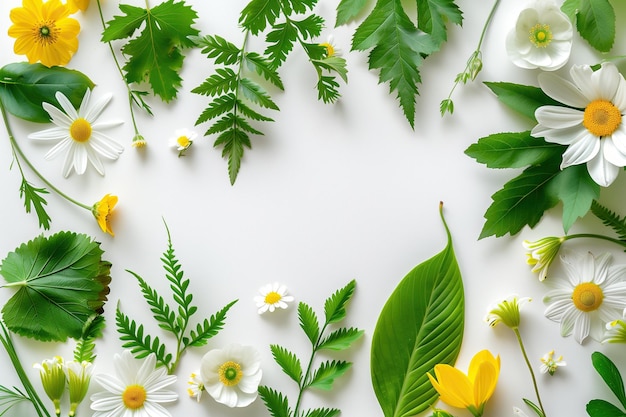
(102,211)
(453,386)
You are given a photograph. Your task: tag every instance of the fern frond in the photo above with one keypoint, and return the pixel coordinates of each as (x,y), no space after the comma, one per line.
(610,219)
(140,345)
(161,312)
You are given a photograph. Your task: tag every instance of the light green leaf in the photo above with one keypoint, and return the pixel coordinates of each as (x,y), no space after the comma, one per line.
(570,7)
(610,375)
(308,322)
(595,22)
(432,16)
(288,362)
(340,339)
(276,402)
(61,283)
(256,94)
(24,87)
(577,190)
(335,305)
(521,98)
(348,10)
(421,325)
(328,371)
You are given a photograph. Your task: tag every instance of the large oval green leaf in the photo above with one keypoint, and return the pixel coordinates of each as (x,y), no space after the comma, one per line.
(24,86)
(420,326)
(62,283)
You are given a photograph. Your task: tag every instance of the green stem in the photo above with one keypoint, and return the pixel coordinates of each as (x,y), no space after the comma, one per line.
(595,236)
(530,368)
(18,151)
(308,370)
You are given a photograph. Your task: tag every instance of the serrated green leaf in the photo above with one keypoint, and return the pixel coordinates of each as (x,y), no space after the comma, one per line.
(210,327)
(217,107)
(224,80)
(280,40)
(340,339)
(309,322)
(322,412)
(255,93)
(60,283)
(258,14)
(601,408)
(576,190)
(121,27)
(610,375)
(595,22)
(24,87)
(348,10)
(276,403)
(513,150)
(522,201)
(288,362)
(570,7)
(263,67)
(335,305)
(522,98)
(324,377)
(421,325)
(334,64)
(247,111)
(161,312)
(310,27)
(140,346)
(327,89)
(86,345)
(220,50)
(610,219)
(33,198)
(432,16)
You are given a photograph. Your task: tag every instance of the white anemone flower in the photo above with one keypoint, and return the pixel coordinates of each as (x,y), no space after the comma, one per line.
(79,134)
(136,389)
(272,296)
(593,294)
(232,375)
(542,37)
(591,126)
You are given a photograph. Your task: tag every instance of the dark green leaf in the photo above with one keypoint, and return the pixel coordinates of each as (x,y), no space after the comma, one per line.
(348,10)
(521,98)
(610,374)
(325,375)
(327,89)
(258,14)
(577,190)
(322,412)
(217,107)
(309,27)
(245,110)
(280,41)
(33,197)
(340,339)
(121,27)
(534,407)
(276,403)
(220,50)
(140,346)
(309,322)
(610,219)
(263,67)
(421,325)
(335,305)
(432,16)
(513,150)
(255,93)
(224,80)
(288,362)
(24,87)
(595,22)
(601,408)
(61,282)
(161,312)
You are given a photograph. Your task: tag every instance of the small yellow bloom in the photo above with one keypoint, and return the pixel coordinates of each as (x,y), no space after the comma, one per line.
(139,142)
(44,32)
(102,211)
(469,391)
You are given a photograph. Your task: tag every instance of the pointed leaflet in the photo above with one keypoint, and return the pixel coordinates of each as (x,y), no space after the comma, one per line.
(432,16)
(348,10)
(610,374)
(522,98)
(61,284)
(595,21)
(420,326)
(577,190)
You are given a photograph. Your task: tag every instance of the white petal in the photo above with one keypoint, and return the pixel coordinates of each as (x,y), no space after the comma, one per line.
(105,142)
(562,90)
(68,164)
(80,158)
(581,327)
(54,133)
(58,117)
(84,104)
(558,117)
(563,136)
(58,148)
(93,112)
(581,150)
(607,79)
(612,153)
(602,171)
(619,138)
(67,105)
(583,78)
(92,156)
(106,125)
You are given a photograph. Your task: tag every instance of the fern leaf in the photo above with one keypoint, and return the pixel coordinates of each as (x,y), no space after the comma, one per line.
(161,312)
(610,219)
(208,328)
(219,49)
(140,346)
(224,80)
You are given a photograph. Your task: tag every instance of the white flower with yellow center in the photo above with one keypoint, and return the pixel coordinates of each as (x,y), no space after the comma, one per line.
(232,375)
(593,294)
(272,296)
(549,364)
(331,47)
(591,126)
(542,37)
(195,386)
(79,135)
(182,140)
(136,389)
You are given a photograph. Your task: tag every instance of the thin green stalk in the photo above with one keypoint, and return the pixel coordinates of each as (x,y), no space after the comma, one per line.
(308,370)
(530,368)
(595,236)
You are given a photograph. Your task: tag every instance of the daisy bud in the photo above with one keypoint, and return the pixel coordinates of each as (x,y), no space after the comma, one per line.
(507,312)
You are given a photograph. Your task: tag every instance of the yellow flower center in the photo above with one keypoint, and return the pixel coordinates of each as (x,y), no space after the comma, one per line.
(134,396)
(587,296)
(272,297)
(540,35)
(80,130)
(330,50)
(602,118)
(183,141)
(46,32)
(230,373)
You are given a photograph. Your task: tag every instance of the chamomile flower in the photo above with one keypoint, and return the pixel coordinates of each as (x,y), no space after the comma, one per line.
(331,47)
(137,389)
(79,134)
(272,296)
(549,364)
(592,294)
(182,140)
(195,386)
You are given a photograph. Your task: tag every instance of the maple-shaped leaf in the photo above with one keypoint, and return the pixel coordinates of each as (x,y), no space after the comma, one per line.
(61,283)
(155,54)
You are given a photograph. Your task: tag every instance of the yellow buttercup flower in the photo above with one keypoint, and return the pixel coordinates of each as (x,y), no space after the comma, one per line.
(469,391)
(44,32)
(102,211)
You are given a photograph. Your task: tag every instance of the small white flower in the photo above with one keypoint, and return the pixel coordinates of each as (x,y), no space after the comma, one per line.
(232,375)
(591,124)
(136,389)
(182,140)
(79,135)
(542,37)
(272,296)
(549,364)
(593,294)
(196,386)
(331,47)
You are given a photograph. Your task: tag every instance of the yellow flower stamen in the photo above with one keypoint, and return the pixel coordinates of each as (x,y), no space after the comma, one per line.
(183,141)
(587,296)
(80,130)
(602,118)
(272,297)
(330,50)
(540,35)
(46,32)
(134,396)
(230,373)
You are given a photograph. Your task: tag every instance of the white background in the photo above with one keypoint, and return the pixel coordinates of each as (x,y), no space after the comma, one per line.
(330,193)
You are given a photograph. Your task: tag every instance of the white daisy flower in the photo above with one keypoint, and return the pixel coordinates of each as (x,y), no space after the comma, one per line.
(136,389)
(593,294)
(78,134)
(272,296)
(542,37)
(592,130)
(331,47)
(182,140)
(232,375)
(196,386)
(549,364)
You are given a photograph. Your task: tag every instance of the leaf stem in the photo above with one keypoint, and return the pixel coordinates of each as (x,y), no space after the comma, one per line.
(595,236)
(307,373)
(530,368)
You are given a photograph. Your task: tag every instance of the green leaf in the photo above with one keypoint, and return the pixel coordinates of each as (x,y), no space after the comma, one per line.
(280,41)
(140,345)
(308,322)
(333,64)
(24,87)
(33,198)
(327,89)
(208,328)
(432,16)
(421,325)
(85,347)
(219,49)
(256,94)
(601,408)
(322,412)
(161,312)
(610,375)
(610,219)
(61,282)
(348,10)
(595,21)
(513,150)
(521,98)
(224,80)
(276,402)
(340,339)
(522,201)
(569,7)
(325,375)
(289,363)
(309,27)
(577,190)
(534,407)
(335,305)
(258,14)
(263,67)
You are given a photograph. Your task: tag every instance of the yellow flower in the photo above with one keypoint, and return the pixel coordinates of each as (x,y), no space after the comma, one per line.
(469,391)
(44,32)
(102,212)
(75,5)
